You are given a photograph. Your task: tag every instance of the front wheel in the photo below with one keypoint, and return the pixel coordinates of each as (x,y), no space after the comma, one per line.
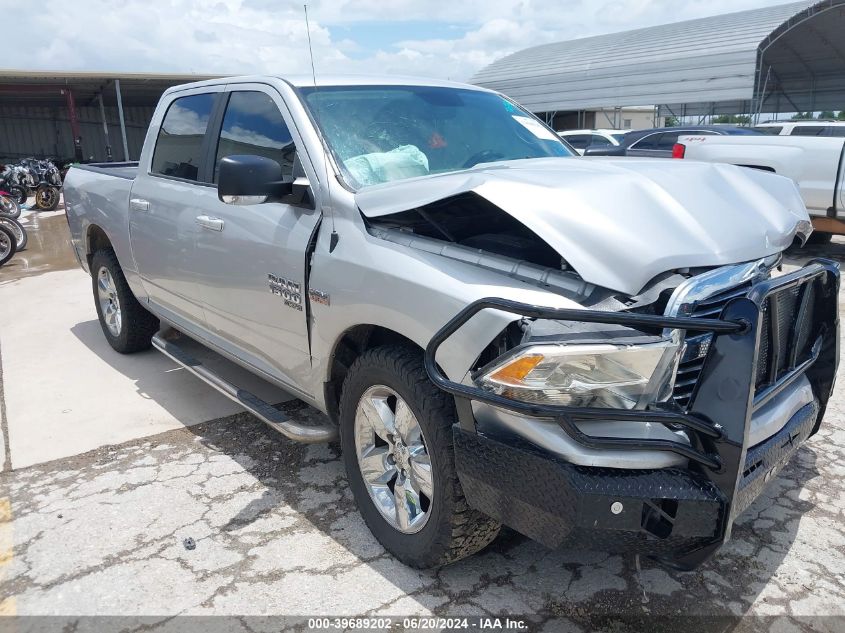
(8,245)
(128,327)
(15,228)
(9,207)
(396,437)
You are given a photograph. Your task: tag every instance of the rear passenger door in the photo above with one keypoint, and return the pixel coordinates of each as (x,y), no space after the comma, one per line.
(253,257)
(171,188)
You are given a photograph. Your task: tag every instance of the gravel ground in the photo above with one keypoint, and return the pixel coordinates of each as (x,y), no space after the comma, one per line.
(274,531)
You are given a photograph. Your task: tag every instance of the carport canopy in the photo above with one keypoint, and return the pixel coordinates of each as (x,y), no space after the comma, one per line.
(73,90)
(783,58)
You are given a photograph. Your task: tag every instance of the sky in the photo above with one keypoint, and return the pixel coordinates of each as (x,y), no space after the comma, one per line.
(449,39)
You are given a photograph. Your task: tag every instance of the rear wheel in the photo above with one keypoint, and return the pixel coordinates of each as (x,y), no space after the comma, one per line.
(46,198)
(396,436)
(8,245)
(128,327)
(16,229)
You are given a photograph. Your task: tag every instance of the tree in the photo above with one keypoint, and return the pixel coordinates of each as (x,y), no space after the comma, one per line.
(736,119)
(802,116)
(672,121)
(827,114)
(841,116)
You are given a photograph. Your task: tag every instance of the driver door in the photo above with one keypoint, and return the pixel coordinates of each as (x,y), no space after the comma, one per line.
(252,258)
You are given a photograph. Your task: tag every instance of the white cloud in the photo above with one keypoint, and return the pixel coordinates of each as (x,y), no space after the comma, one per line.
(257,36)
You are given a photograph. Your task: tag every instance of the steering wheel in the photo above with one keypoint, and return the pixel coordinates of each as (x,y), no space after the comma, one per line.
(484,156)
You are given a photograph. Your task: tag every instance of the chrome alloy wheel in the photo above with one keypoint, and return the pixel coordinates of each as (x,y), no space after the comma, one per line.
(109,303)
(393,459)
(5,244)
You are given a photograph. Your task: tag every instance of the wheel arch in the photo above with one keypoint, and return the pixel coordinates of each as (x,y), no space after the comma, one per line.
(96,239)
(353,342)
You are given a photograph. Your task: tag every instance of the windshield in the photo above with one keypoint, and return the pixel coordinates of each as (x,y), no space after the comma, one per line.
(385,133)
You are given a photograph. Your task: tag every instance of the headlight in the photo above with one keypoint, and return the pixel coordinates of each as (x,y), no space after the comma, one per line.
(595,375)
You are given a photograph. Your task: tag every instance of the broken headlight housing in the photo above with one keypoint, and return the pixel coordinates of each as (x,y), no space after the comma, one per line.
(595,374)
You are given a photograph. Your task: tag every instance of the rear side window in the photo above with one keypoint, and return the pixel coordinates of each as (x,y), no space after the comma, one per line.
(578,141)
(254,125)
(836,130)
(179,144)
(598,140)
(649,142)
(808,130)
(668,140)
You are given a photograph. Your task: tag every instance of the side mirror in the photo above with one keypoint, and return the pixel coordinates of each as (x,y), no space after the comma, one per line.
(249,179)
(604,150)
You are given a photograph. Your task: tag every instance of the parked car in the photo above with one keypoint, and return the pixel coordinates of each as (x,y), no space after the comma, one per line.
(815,164)
(501,333)
(582,139)
(658,142)
(803,128)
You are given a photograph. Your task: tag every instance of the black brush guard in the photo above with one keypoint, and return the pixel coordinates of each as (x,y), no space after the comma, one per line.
(717,422)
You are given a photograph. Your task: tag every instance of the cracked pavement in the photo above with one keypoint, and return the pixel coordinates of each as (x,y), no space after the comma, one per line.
(276,532)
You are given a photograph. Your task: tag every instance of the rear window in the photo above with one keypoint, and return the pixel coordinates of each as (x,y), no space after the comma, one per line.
(178,147)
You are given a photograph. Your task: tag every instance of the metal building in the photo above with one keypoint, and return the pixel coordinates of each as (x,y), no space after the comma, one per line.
(784,58)
(78,116)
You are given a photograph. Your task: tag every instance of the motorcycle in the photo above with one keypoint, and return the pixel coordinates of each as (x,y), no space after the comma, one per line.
(9,206)
(8,245)
(17,180)
(49,182)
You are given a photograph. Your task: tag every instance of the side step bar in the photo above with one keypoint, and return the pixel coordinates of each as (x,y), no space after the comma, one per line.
(255,405)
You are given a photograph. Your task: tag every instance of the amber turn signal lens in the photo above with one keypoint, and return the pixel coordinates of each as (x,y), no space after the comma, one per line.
(514,373)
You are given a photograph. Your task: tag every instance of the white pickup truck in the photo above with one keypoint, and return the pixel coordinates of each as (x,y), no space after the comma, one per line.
(814,163)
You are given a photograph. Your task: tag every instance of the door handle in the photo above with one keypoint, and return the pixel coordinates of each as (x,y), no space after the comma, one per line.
(138,204)
(207,222)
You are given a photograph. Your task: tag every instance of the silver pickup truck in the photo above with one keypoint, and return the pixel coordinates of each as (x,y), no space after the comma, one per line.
(594,352)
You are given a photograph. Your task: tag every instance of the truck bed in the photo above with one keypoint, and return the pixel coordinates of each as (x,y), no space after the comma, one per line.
(126,170)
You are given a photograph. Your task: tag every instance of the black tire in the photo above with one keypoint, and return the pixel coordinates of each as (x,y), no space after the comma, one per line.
(16,229)
(19,194)
(8,245)
(818,238)
(453,529)
(46,198)
(9,207)
(137,325)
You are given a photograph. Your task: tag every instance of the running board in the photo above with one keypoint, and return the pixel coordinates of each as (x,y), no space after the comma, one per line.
(265,412)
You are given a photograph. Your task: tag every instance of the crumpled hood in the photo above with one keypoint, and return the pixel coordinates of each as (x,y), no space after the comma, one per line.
(621,222)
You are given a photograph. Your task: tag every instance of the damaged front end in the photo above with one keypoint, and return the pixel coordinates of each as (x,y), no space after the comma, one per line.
(765,339)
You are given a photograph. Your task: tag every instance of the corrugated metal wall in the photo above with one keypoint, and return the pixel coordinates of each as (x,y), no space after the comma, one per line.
(43,131)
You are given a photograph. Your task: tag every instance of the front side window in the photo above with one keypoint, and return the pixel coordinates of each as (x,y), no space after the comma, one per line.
(385,133)
(179,144)
(254,125)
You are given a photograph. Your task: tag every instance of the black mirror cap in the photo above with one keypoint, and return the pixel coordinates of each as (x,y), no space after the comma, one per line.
(250,175)
(604,150)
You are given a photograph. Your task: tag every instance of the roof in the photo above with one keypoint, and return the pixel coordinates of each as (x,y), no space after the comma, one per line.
(307,81)
(699,61)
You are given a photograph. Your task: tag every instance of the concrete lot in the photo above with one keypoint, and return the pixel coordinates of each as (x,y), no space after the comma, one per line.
(112,461)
